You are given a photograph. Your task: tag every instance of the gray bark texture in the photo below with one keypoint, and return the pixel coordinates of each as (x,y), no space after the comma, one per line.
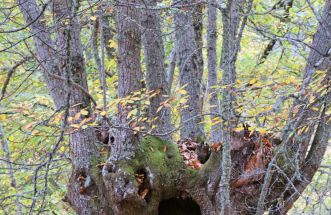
(197,14)
(171,68)
(213,83)
(231,17)
(190,74)
(156,77)
(63,64)
(130,77)
(143,171)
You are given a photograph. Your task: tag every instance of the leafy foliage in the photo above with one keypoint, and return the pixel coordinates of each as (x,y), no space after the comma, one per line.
(32,125)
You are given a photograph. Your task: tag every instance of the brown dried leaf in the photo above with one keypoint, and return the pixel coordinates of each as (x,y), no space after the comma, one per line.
(144,193)
(186,155)
(296,109)
(196,164)
(216,146)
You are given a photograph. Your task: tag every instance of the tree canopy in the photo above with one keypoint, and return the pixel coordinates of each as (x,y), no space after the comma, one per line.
(165,107)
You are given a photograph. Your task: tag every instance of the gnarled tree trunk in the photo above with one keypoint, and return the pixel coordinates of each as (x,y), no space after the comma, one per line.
(143,172)
(65,75)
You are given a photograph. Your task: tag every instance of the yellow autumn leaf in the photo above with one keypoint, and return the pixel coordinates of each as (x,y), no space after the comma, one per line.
(27,178)
(75,125)
(43,101)
(216,122)
(112,44)
(267,108)
(253,81)
(238,129)
(133,112)
(155,118)
(77,116)
(182,91)
(144,119)
(239,81)
(3,117)
(263,130)
(312,99)
(35,132)
(99,96)
(183,100)
(315,108)
(84,112)
(93,18)
(62,149)
(159,109)
(135,99)
(57,118)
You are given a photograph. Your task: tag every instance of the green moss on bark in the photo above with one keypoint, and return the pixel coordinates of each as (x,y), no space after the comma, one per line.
(160,157)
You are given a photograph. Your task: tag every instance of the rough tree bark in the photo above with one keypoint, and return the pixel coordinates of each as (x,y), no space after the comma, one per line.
(155,72)
(212,72)
(197,15)
(171,68)
(63,64)
(190,74)
(231,17)
(142,171)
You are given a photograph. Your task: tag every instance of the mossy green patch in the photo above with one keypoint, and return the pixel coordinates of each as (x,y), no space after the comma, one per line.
(161,158)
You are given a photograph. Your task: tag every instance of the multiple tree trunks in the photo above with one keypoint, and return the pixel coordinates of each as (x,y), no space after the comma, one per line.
(64,70)
(142,171)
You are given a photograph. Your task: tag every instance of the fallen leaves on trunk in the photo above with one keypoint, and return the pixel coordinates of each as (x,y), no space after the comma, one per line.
(252,150)
(257,162)
(143,193)
(216,146)
(188,149)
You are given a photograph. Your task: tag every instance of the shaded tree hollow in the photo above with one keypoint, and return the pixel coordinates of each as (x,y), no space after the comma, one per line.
(178,206)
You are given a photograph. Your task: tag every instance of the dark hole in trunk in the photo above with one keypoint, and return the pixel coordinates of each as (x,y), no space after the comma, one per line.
(177,206)
(144,187)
